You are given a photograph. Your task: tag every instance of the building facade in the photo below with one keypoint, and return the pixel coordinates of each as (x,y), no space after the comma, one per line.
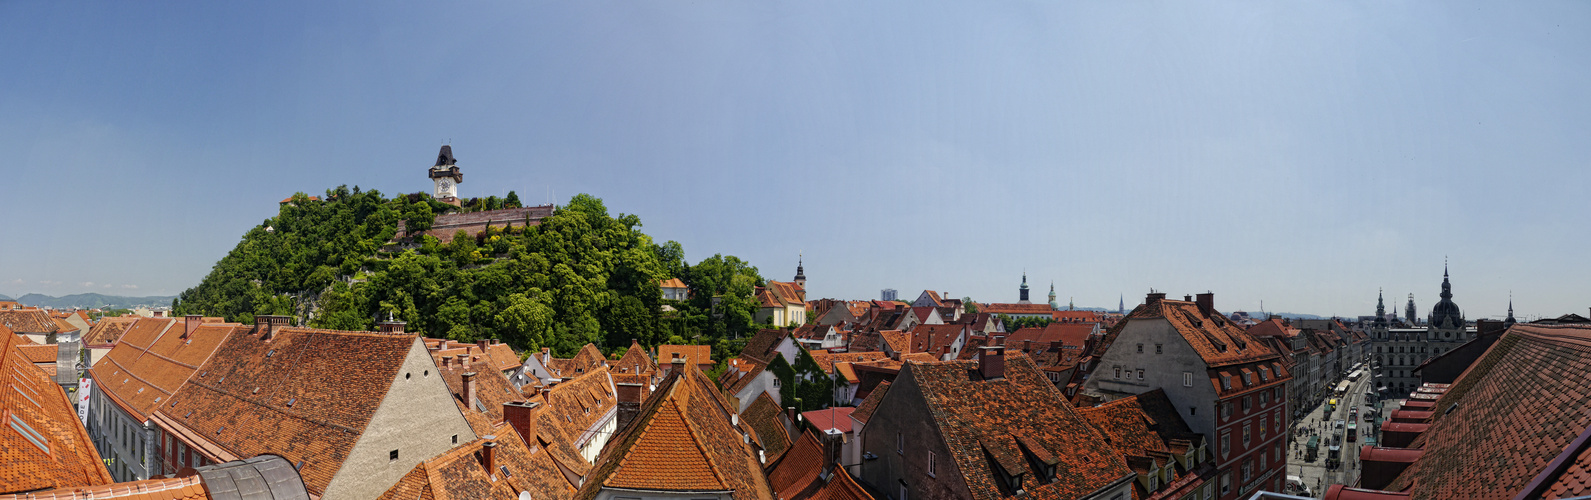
(1397,352)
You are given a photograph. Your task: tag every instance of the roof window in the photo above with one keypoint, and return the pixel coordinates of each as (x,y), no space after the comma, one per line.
(218,431)
(291,401)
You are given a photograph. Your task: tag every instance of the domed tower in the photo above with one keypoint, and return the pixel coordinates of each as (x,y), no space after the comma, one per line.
(1053,305)
(1022,293)
(1447,321)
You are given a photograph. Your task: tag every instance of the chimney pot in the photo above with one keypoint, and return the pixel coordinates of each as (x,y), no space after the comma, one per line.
(1154,298)
(469,389)
(482,344)
(1187,298)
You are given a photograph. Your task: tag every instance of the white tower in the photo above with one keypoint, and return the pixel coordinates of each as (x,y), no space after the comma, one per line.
(447,177)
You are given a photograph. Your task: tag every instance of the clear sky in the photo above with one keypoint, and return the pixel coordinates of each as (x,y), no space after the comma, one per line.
(1303,154)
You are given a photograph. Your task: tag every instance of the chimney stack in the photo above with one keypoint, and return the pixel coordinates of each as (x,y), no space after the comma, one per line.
(1206,303)
(489,455)
(391,327)
(678,365)
(267,326)
(628,400)
(482,344)
(1154,298)
(1187,298)
(469,390)
(1027,346)
(991,362)
(192,322)
(521,415)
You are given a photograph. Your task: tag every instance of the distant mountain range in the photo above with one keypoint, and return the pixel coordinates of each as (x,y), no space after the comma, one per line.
(5,297)
(93,301)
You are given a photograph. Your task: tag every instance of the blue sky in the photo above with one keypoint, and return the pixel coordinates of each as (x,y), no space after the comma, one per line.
(1300,153)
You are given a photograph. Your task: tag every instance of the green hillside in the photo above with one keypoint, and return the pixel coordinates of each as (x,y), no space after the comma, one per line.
(581,276)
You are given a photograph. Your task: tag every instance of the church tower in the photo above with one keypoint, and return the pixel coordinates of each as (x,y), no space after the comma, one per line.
(1510,320)
(1447,321)
(1022,293)
(1379,329)
(1409,312)
(801,274)
(446,176)
(1053,305)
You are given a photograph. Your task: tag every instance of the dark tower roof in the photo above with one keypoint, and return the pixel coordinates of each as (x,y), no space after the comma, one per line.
(801,274)
(1446,314)
(1510,320)
(445,157)
(1023,292)
(1381,311)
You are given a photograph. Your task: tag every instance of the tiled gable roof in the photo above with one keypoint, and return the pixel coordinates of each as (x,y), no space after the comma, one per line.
(40,353)
(682,440)
(671,283)
(42,444)
(1007,419)
(492,389)
(1015,309)
(1514,411)
(764,345)
(461,474)
(764,416)
(589,359)
(1140,436)
(635,361)
(153,361)
(897,340)
(744,373)
(796,473)
(696,354)
(1076,316)
(108,330)
(864,411)
(576,405)
(827,360)
(306,394)
(1215,338)
(28,321)
(1071,334)
(934,338)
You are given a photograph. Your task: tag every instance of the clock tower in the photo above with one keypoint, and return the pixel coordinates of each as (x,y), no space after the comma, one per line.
(446,176)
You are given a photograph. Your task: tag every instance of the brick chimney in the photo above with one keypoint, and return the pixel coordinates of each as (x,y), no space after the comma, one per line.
(1206,303)
(521,415)
(1027,346)
(628,398)
(191,322)
(489,455)
(390,326)
(1154,298)
(991,362)
(469,389)
(678,364)
(482,344)
(267,326)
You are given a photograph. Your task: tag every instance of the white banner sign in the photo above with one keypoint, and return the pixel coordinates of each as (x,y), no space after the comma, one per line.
(83,386)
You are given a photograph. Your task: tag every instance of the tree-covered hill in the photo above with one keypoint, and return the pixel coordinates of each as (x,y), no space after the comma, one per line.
(581,276)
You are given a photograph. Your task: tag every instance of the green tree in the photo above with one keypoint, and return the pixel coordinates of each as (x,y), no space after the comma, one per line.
(512,201)
(969,306)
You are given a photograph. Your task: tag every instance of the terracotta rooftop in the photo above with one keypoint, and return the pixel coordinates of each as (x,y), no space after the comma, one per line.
(1219,341)
(284,397)
(108,330)
(767,418)
(28,321)
(461,474)
(799,474)
(573,407)
(40,353)
(1070,334)
(492,389)
(764,345)
(865,410)
(589,359)
(1517,418)
(44,445)
(1076,316)
(635,361)
(682,440)
(934,338)
(671,283)
(1008,309)
(987,424)
(837,418)
(697,354)
(153,360)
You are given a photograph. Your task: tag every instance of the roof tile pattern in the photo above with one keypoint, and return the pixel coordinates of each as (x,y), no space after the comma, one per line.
(153,361)
(180,488)
(635,361)
(108,330)
(28,321)
(864,411)
(682,439)
(37,412)
(1219,341)
(983,418)
(298,395)
(1512,412)
(764,416)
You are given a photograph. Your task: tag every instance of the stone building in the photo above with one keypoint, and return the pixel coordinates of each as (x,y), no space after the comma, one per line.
(1397,352)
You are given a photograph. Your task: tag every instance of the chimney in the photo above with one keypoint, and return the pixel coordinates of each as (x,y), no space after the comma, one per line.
(192,322)
(521,415)
(267,326)
(546,354)
(678,365)
(482,344)
(1187,298)
(1154,298)
(1206,303)
(391,327)
(790,412)
(1027,346)
(991,362)
(469,390)
(442,346)
(628,400)
(489,455)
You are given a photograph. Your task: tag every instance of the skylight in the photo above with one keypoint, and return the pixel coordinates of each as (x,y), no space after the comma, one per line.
(27,431)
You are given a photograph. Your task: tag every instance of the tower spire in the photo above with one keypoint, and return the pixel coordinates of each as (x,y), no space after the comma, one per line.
(1510,320)
(801,274)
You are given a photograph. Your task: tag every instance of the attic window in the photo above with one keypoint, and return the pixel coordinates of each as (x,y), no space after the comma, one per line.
(504,468)
(291,401)
(157,399)
(190,414)
(392,455)
(270,353)
(218,431)
(299,465)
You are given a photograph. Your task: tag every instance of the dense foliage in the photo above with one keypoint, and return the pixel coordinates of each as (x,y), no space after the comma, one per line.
(581,276)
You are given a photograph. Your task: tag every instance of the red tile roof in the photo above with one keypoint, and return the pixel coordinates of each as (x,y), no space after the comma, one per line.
(798,474)
(154,359)
(28,321)
(1001,418)
(40,353)
(671,283)
(1217,340)
(1070,334)
(836,418)
(1514,411)
(635,361)
(179,488)
(865,410)
(1015,309)
(767,418)
(589,359)
(933,339)
(697,354)
(461,474)
(43,445)
(108,330)
(764,344)
(682,440)
(1076,316)
(297,395)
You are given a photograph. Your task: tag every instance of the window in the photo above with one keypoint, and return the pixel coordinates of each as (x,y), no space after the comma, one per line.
(1265,397)
(1193,410)
(1118,372)
(1245,437)
(1187,379)
(1226,483)
(1248,378)
(1248,403)
(1248,470)
(900,443)
(902,491)
(1158,349)
(1140,374)
(1140,348)
(931,465)
(455,439)
(392,455)
(1226,444)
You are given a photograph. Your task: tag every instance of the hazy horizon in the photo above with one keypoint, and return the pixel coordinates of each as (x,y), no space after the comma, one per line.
(1301,154)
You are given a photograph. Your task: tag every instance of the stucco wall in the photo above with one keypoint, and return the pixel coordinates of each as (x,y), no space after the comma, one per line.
(1164,370)
(417,418)
(903,411)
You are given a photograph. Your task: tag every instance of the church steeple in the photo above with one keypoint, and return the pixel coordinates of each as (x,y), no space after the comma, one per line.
(1121,304)
(1381,310)
(1053,305)
(1447,288)
(801,275)
(1510,320)
(1022,293)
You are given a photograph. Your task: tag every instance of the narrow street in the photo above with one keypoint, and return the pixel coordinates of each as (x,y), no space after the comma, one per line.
(1321,421)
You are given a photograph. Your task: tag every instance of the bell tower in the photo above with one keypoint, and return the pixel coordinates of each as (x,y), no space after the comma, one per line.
(446,176)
